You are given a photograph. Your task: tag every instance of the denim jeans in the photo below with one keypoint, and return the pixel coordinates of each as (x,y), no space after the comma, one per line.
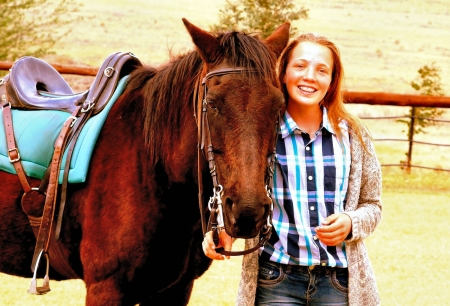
(280,284)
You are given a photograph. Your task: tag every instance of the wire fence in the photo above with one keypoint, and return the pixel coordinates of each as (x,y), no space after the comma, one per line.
(408,164)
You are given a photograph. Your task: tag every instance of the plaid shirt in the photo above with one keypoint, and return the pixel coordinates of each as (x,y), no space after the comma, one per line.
(310,183)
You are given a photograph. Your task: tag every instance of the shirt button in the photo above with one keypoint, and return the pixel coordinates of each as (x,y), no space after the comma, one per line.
(310,177)
(315,237)
(311,207)
(307,148)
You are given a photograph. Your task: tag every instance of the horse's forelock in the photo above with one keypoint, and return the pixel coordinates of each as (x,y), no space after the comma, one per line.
(247,51)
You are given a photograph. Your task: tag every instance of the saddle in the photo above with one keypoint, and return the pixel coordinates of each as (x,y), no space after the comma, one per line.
(33,84)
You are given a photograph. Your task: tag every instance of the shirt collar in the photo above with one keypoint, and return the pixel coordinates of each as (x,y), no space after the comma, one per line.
(288,125)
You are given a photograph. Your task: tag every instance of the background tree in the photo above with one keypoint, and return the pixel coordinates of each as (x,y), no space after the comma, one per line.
(33,27)
(428,83)
(262,16)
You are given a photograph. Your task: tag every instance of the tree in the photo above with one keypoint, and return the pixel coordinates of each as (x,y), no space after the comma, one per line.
(428,83)
(262,16)
(33,27)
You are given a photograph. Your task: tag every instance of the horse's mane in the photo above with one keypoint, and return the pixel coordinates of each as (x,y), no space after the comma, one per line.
(168,89)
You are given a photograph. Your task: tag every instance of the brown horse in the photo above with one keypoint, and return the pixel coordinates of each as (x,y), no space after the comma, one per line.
(133,230)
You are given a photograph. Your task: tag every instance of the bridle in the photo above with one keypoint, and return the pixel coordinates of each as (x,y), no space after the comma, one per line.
(205,150)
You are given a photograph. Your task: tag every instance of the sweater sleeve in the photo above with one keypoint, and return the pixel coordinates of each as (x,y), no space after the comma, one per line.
(364,202)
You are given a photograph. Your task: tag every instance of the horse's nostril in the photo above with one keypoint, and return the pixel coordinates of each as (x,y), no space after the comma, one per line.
(229,207)
(229,202)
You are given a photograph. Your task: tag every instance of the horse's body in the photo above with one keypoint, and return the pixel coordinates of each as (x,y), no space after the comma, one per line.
(132,231)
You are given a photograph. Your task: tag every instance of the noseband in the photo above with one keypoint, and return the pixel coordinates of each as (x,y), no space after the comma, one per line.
(205,150)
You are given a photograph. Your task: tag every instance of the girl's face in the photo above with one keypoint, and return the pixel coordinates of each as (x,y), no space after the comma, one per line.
(308,74)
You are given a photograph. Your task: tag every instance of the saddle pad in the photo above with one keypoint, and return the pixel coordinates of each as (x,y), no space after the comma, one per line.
(36,132)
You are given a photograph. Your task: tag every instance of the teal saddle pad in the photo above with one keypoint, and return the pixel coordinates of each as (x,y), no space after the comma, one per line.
(36,131)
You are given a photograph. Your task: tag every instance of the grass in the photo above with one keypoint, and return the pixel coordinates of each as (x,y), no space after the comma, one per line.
(409,247)
(383,44)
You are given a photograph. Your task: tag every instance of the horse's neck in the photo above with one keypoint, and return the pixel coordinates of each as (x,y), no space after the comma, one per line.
(180,159)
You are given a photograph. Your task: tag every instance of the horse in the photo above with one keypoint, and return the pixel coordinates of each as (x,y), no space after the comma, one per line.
(133,230)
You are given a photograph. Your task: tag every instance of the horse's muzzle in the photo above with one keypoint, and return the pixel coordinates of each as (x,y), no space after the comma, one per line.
(245,220)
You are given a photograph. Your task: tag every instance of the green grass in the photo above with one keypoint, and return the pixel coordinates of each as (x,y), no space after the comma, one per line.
(13,292)
(409,248)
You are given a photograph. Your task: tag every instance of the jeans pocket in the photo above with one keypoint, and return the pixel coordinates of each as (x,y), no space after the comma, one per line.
(269,273)
(339,280)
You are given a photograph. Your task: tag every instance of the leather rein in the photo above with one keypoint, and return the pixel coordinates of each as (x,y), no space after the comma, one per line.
(205,150)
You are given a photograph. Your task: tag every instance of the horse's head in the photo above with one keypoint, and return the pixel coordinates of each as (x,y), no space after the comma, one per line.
(241,104)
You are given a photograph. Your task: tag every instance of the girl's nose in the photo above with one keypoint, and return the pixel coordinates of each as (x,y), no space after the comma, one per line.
(309,74)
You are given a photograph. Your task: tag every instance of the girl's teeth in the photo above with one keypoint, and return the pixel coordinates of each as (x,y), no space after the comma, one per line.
(307,89)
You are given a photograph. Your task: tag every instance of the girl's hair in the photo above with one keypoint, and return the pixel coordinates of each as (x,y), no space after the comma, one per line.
(333,100)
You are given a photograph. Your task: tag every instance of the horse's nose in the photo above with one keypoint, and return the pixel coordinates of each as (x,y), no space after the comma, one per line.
(246,218)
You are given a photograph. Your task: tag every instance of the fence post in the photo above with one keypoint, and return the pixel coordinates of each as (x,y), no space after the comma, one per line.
(411,138)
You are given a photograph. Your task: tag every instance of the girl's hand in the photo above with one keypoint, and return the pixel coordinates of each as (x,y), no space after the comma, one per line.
(209,248)
(334,229)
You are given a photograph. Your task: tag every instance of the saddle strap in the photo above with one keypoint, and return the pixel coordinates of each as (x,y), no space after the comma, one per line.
(81,121)
(42,241)
(58,255)
(13,151)
(108,79)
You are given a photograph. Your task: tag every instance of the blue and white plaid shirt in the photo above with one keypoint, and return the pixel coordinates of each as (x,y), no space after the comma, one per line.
(310,183)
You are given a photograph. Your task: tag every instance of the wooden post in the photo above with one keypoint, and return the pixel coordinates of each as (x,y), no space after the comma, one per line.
(411,138)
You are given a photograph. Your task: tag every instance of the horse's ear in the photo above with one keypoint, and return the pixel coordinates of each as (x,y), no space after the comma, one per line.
(207,45)
(279,39)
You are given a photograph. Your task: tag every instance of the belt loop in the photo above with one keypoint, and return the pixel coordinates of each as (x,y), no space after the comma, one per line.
(287,267)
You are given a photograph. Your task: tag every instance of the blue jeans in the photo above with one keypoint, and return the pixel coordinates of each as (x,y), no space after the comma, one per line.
(280,284)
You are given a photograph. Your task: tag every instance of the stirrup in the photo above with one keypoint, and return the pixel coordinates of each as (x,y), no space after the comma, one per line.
(46,282)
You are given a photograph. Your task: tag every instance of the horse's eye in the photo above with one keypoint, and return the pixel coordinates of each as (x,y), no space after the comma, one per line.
(217,151)
(211,104)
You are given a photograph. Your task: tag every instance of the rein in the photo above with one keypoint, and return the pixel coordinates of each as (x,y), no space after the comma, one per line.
(205,150)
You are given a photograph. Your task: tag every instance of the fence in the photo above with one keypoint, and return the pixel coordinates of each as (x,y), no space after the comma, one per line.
(369,98)
(387,99)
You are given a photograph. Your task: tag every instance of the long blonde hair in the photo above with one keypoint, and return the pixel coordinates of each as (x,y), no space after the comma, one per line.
(333,100)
